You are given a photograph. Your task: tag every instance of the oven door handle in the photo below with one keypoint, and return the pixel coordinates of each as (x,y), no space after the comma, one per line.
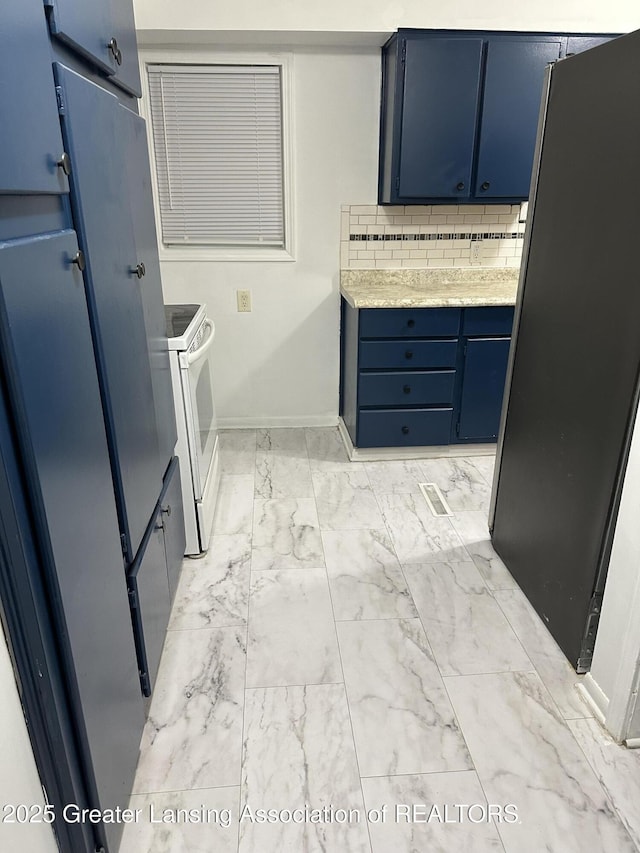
(196,355)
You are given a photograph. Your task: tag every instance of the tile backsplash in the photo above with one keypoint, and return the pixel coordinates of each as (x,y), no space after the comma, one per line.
(419,236)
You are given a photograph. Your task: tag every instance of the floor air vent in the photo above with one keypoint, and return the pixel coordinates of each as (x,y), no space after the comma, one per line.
(435,499)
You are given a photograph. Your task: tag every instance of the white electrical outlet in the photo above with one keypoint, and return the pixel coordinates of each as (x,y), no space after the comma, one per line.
(476,246)
(244,300)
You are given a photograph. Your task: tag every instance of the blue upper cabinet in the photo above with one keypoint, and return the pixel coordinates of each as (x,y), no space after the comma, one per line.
(31,138)
(514,77)
(578,44)
(439,115)
(460,113)
(102,33)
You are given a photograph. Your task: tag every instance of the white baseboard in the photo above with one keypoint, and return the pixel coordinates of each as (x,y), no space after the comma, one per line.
(632,743)
(377,454)
(270,422)
(592,694)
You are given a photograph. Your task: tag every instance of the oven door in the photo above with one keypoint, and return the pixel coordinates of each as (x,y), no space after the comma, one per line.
(197,383)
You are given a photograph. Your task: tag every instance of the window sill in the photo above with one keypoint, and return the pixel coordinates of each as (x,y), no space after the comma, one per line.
(203,253)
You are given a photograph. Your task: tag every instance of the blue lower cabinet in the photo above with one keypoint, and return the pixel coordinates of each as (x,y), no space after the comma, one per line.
(153,577)
(485,370)
(172,516)
(150,602)
(404,427)
(427,388)
(410,388)
(408,354)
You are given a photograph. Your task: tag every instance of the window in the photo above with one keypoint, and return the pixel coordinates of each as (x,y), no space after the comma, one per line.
(217,133)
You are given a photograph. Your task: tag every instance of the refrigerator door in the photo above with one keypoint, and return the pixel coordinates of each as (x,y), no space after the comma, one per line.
(572,396)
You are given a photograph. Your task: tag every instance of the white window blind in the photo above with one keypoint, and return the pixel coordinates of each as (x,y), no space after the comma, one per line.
(217,134)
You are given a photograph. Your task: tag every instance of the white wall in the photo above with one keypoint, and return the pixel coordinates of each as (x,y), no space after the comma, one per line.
(617,651)
(384,16)
(19,780)
(279,364)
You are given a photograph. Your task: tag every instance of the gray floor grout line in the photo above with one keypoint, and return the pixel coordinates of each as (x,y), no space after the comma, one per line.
(246,655)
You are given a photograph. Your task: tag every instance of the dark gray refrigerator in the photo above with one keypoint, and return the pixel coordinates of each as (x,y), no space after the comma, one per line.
(572,387)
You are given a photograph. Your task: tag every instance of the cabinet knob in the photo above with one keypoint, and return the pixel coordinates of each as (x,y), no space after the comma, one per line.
(139,270)
(65,163)
(407,389)
(411,323)
(485,185)
(166,510)
(460,186)
(78,260)
(115,51)
(408,354)
(405,430)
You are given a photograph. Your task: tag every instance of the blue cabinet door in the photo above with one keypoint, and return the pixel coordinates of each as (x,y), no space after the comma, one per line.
(49,367)
(439,117)
(30,127)
(511,106)
(485,370)
(144,231)
(103,33)
(94,127)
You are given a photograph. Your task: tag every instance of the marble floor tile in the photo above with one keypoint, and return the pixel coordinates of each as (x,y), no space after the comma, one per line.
(298,750)
(617,769)
(403,721)
(419,536)
(486,465)
(286,535)
(234,506)
(345,500)
(524,754)
(461,483)
(401,477)
(365,576)
(214,591)
(559,677)
(326,450)
(283,441)
(449,791)
(292,638)
(467,631)
(217,828)
(282,476)
(474,531)
(237,451)
(193,735)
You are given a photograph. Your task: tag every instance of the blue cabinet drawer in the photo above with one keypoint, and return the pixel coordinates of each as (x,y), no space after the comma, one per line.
(487,321)
(417,388)
(409,322)
(404,427)
(408,354)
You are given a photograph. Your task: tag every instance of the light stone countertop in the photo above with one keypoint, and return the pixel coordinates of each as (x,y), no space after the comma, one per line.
(420,288)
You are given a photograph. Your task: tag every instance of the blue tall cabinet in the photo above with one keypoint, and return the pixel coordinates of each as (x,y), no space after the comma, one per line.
(88,430)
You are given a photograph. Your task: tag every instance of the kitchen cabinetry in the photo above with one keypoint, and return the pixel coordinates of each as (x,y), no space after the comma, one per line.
(460,113)
(86,382)
(31,150)
(101,33)
(423,376)
(47,359)
(96,129)
(486,337)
